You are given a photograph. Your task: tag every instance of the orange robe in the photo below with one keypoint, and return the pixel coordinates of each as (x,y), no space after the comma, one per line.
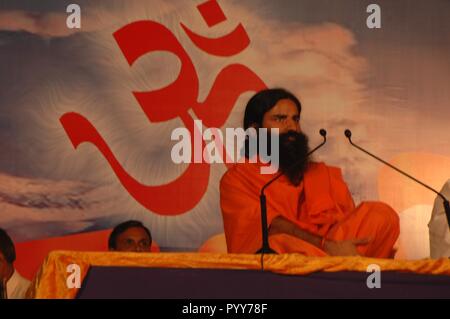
(321,205)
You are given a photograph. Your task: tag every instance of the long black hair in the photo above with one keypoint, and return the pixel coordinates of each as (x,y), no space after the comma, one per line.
(7,246)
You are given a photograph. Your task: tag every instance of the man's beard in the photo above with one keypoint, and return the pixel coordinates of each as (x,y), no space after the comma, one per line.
(294,157)
(293,154)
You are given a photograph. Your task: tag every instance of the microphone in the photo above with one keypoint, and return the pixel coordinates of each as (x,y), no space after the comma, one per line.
(323,133)
(265,249)
(348,134)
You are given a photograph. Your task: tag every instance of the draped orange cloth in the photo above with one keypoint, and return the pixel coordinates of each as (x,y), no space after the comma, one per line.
(321,205)
(51,280)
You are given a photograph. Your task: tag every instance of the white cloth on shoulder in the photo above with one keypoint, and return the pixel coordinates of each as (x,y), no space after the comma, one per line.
(17,286)
(439,228)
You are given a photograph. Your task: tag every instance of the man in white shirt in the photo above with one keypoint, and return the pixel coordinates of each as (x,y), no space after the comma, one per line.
(16,285)
(439,228)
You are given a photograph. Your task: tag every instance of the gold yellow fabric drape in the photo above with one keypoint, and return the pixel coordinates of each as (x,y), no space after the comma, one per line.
(51,280)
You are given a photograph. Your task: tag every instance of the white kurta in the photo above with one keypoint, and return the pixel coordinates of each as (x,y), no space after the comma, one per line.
(439,228)
(17,286)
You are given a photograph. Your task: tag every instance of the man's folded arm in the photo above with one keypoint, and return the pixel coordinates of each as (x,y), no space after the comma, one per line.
(334,248)
(281,225)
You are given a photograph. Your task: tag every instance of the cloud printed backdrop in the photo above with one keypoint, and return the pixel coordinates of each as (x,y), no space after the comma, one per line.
(389,85)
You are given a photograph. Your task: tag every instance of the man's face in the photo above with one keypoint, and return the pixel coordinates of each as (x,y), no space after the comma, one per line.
(4,267)
(284,116)
(293,144)
(133,239)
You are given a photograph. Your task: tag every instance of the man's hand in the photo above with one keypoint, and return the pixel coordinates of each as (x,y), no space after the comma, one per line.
(333,248)
(344,247)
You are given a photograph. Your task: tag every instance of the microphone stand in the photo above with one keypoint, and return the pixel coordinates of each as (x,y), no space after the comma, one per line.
(265,249)
(348,134)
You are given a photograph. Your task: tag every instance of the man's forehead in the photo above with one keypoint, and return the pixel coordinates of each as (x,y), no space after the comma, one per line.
(284,106)
(134,232)
(283,111)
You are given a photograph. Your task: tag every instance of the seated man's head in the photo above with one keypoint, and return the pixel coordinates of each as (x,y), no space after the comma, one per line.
(7,255)
(278,108)
(131,235)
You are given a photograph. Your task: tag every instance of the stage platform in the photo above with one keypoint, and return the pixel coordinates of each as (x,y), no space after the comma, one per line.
(235,276)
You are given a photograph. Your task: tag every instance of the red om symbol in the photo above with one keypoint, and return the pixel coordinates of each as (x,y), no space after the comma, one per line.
(142,37)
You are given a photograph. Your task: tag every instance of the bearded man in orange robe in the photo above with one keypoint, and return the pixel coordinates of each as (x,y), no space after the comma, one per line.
(309,209)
